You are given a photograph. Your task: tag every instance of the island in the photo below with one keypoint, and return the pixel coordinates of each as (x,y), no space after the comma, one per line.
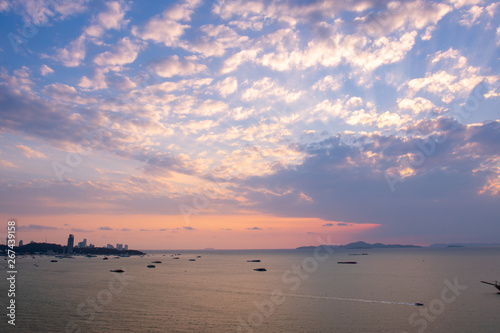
(361,245)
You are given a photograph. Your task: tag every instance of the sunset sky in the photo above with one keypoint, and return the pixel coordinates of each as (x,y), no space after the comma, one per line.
(250,123)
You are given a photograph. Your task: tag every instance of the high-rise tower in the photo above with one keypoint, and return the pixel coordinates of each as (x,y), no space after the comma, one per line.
(71,240)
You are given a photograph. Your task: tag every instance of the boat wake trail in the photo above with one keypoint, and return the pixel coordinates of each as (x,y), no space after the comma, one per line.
(352,299)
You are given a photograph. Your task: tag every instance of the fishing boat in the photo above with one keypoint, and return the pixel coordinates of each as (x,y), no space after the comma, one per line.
(347,262)
(260,269)
(156,262)
(151,266)
(253,260)
(496,284)
(117,271)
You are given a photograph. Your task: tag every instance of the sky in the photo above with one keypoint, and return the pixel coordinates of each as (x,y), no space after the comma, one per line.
(240,124)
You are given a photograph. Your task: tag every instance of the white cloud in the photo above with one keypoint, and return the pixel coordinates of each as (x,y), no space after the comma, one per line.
(234,61)
(124,52)
(65,93)
(228,86)
(472,16)
(266,88)
(30,153)
(165,28)
(45,70)
(112,18)
(172,66)
(417,105)
(329,83)
(73,54)
(215,40)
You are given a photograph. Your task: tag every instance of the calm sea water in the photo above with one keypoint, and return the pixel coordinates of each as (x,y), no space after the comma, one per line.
(220,292)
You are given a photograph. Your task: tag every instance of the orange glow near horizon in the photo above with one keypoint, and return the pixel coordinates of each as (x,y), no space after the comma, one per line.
(198,232)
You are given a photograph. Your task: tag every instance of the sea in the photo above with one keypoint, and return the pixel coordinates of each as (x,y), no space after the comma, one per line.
(387,290)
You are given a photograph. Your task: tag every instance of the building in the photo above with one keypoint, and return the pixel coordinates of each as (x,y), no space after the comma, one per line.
(71,240)
(83,243)
(21,243)
(109,246)
(119,247)
(125,247)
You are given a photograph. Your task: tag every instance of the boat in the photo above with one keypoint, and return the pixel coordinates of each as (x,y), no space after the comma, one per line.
(53,261)
(496,284)
(91,256)
(117,270)
(156,262)
(191,259)
(105,258)
(175,258)
(347,262)
(198,257)
(260,269)
(151,266)
(254,260)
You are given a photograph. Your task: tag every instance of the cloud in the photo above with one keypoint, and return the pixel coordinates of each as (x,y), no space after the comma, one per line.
(30,153)
(173,66)
(328,225)
(268,87)
(166,28)
(46,70)
(254,228)
(7,164)
(106,228)
(329,83)
(111,18)
(65,93)
(125,52)
(227,87)
(73,54)
(188,228)
(35,227)
(214,40)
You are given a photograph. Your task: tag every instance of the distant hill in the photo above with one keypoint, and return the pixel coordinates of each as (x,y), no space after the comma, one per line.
(363,245)
(466,245)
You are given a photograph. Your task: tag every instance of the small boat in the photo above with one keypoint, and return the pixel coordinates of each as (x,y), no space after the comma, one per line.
(260,269)
(36,265)
(175,258)
(419,304)
(156,262)
(254,260)
(496,284)
(53,261)
(347,262)
(191,259)
(117,270)
(105,258)
(91,256)
(198,257)
(151,266)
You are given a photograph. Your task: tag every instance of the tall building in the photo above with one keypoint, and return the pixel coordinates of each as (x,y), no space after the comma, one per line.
(83,243)
(125,247)
(109,246)
(71,240)
(21,243)
(119,247)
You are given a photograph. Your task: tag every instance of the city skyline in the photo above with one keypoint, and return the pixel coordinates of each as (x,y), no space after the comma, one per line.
(250,124)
